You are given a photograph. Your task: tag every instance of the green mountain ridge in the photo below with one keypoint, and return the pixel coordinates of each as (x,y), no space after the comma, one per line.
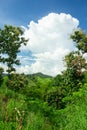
(39,74)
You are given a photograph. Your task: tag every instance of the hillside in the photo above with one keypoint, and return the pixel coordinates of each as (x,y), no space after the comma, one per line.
(39,74)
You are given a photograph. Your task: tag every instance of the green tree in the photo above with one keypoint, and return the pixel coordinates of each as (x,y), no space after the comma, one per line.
(76,62)
(18,82)
(57,81)
(80,38)
(74,74)
(11,39)
(54,97)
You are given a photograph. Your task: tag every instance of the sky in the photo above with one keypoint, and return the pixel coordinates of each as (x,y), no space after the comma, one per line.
(48,25)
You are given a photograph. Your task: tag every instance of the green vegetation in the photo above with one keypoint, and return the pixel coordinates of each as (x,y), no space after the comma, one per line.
(11,40)
(42,102)
(29,105)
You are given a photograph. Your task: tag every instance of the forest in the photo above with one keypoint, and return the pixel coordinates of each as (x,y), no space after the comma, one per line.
(38,101)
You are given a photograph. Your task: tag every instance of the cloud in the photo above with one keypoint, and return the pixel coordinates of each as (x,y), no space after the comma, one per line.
(49,42)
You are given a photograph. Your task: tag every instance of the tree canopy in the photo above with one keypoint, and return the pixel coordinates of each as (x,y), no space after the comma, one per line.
(80,38)
(11,39)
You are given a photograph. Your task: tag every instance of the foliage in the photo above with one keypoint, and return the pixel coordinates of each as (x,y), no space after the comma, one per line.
(55,110)
(39,86)
(18,112)
(1,75)
(11,39)
(74,116)
(80,38)
(17,82)
(76,62)
(57,81)
(55,96)
(74,74)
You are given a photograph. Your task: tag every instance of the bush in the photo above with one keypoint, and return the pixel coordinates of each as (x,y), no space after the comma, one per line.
(55,96)
(17,82)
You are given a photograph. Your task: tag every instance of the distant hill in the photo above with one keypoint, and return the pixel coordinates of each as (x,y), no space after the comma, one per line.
(39,74)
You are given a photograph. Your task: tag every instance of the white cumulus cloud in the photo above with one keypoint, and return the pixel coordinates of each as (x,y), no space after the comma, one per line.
(49,42)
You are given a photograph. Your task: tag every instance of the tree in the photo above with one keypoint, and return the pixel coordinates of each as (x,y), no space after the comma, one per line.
(17,82)
(54,97)
(80,38)
(76,65)
(57,81)
(73,75)
(76,61)
(11,39)
(1,76)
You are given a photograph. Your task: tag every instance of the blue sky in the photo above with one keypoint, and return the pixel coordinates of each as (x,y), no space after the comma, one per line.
(48,25)
(21,12)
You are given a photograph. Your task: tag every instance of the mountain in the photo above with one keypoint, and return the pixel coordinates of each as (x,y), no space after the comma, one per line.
(39,74)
